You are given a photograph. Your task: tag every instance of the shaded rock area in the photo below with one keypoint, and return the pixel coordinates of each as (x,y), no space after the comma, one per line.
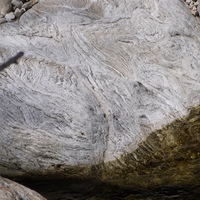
(169,156)
(107,91)
(10,190)
(91,190)
(165,166)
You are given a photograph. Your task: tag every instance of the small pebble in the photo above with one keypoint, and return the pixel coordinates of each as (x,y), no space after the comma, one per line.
(19,12)
(9,16)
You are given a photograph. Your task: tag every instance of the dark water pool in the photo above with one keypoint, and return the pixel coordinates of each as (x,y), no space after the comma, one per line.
(91,190)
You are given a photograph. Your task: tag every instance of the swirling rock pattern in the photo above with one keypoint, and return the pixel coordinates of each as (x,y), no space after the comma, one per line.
(97,77)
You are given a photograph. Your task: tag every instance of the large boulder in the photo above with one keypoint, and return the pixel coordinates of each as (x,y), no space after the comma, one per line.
(99,82)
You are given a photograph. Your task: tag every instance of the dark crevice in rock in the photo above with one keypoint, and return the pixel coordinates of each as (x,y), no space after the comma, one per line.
(94,190)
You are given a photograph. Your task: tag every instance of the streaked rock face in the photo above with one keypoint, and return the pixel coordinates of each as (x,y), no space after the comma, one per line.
(97,78)
(9,190)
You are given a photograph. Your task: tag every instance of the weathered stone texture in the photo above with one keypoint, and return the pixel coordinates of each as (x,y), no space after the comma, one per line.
(96,79)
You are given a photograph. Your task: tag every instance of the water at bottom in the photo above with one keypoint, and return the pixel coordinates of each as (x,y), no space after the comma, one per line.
(91,190)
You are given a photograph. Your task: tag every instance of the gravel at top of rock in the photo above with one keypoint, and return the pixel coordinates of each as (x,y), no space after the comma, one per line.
(13,9)
(193,6)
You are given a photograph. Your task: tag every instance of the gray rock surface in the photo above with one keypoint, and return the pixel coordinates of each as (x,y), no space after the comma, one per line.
(98,76)
(10,190)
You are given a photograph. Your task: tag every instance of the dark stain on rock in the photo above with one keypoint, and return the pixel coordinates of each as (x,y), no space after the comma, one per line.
(170,156)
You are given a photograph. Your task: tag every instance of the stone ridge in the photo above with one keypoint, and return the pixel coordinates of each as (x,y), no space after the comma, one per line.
(13,9)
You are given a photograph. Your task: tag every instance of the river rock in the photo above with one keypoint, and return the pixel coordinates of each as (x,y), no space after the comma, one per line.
(99,90)
(193,6)
(19,12)
(10,190)
(17,3)
(10,16)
